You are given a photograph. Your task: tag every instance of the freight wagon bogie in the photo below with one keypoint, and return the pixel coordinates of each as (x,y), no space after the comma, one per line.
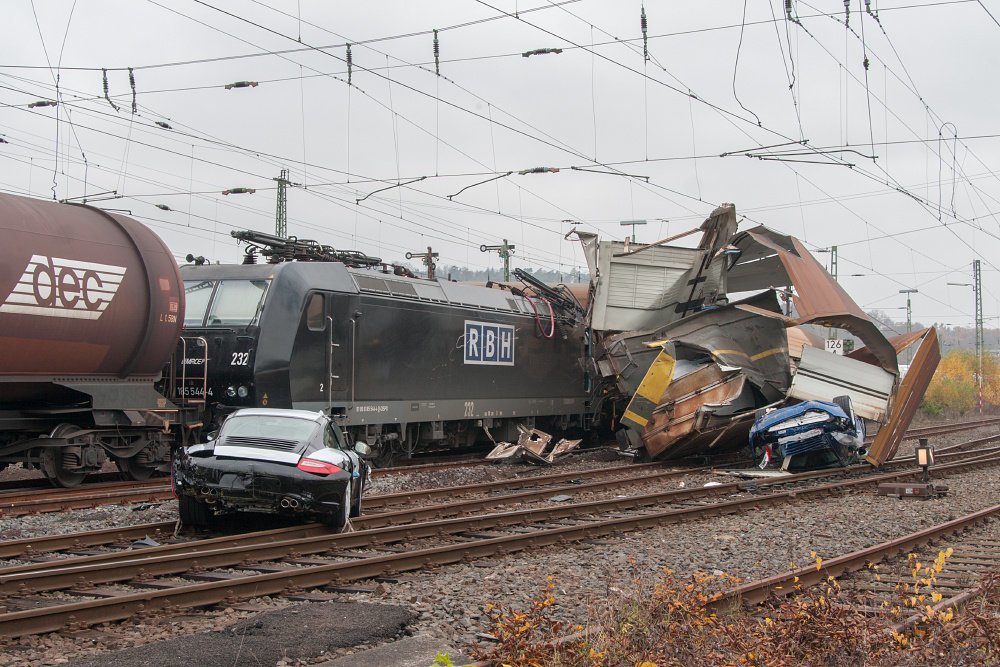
(69,452)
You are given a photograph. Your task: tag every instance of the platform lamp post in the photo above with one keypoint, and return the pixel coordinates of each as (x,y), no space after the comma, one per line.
(925,458)
(632,224)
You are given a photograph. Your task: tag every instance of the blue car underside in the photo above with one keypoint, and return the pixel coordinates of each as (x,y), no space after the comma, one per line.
(809,435)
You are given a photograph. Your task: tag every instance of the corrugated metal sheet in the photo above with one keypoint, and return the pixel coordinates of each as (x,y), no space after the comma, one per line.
(907,400)
(821,376)
(819,299)
(634,286)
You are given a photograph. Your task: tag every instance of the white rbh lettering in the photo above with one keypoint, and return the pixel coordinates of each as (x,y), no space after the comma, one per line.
(488,344)
(57,287)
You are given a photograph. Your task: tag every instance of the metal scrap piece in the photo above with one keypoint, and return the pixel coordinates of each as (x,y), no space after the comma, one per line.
(530,448)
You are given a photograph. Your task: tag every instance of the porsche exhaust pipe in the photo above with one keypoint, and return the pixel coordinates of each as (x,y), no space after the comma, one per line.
(289,503)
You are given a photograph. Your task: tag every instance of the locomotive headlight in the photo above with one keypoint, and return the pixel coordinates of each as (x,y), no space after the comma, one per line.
(230,391)
(242,391)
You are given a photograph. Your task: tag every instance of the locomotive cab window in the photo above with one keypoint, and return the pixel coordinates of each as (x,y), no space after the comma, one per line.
(316,312)
(237,302)
(197,294)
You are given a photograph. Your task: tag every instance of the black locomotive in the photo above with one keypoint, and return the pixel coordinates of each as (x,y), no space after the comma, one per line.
(403,363)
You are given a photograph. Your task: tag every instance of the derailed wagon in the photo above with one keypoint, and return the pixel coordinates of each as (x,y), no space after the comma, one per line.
(693,370)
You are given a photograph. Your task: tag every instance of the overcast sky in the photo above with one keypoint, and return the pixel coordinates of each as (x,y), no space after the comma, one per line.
(718,84)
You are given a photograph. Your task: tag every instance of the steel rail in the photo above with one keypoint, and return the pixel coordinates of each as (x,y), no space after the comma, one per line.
(942,429)
(366,522)
(386,499)
(47,543)
(18,502)
(36,501)
(47,619)
(955,602)
(31,545)
(778,585)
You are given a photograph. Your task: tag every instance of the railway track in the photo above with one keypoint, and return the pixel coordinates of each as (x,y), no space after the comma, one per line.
(882,577)
(39,497)
(493,493)
(42,597)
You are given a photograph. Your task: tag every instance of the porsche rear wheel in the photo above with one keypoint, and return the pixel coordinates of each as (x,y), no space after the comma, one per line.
(194,512)
(356,507)
(338,520)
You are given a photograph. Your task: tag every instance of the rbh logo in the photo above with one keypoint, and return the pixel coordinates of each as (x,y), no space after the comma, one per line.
(489,344)
(55,287)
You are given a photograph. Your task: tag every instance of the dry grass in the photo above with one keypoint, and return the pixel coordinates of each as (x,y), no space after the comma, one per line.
(669,621)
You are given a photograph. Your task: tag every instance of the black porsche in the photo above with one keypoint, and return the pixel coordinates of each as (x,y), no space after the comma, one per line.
(291,462)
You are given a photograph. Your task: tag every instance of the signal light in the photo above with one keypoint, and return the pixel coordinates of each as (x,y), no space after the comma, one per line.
(318,467)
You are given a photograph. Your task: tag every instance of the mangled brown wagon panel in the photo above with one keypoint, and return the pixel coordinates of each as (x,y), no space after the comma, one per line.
(907,400)
(687,407)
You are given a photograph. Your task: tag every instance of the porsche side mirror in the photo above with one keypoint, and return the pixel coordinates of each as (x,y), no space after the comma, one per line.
(362,449)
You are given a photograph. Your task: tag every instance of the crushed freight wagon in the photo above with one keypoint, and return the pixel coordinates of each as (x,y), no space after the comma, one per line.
(694,370)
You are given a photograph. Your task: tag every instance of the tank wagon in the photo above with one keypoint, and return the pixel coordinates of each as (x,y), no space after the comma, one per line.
(406,364)
(91,308)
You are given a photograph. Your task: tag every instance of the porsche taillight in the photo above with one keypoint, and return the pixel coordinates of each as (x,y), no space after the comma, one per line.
(317,467)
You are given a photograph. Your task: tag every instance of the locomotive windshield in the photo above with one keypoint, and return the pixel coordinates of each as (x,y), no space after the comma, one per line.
(197,294)
(236,302)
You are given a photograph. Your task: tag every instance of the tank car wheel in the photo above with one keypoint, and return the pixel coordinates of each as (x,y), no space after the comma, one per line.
(130,469)
(384,457)
(51,464)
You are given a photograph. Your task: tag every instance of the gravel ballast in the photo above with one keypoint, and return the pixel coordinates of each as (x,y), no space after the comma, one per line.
(448,603)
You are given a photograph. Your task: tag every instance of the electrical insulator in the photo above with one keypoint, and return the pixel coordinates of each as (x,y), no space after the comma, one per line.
(539,52)
(131,82)
(239,191)
(106,96)
(643,24)
(241,84)
(350,64)
(165,126)
(437,55)
(847,12)
(163,207)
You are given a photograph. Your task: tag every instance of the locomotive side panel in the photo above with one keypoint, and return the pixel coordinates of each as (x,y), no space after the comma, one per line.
(436,352)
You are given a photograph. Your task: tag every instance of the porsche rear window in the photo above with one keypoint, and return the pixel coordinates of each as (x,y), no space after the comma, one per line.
(268,426)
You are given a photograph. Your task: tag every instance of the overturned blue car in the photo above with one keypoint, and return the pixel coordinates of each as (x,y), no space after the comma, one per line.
(809,435)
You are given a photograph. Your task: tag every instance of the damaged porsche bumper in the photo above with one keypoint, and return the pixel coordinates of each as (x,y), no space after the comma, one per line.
(233,485)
